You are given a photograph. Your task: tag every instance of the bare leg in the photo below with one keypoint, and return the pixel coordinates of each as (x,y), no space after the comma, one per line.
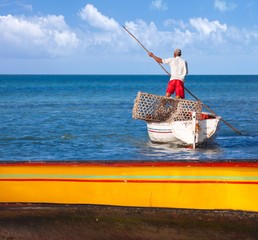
(168,94)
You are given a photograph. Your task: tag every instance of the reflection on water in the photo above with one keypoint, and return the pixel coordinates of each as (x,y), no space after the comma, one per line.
(170,151)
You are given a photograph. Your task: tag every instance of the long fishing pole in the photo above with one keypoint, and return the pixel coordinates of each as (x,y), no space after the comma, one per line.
(229,125)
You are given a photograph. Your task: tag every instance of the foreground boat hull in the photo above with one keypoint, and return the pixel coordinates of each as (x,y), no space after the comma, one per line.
(142,184)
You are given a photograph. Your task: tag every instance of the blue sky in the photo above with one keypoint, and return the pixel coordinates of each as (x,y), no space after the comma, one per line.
(86,37)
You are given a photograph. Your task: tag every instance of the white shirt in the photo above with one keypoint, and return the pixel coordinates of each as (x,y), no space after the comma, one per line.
(178,68)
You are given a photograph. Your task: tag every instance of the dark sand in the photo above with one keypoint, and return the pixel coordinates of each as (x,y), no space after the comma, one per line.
(40,221)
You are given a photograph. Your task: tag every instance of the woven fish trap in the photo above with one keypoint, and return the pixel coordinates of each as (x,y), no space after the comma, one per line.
(155,108)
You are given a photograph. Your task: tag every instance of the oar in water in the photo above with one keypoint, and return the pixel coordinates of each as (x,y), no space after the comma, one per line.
(185,87)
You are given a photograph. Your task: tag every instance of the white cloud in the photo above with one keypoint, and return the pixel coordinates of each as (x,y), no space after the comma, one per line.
(175,23)
(205,27)
(147,33)
(155,40)
(95,18)
(159,5)
(223,6)
(51,37)
(198,35)
(37,36)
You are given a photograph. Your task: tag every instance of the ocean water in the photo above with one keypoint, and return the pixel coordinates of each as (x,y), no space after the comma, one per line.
(89,117)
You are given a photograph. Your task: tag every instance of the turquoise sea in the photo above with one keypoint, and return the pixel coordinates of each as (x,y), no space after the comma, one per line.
(89,117)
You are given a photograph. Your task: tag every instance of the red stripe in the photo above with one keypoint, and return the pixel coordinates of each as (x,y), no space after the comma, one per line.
(134,163)
(127,181)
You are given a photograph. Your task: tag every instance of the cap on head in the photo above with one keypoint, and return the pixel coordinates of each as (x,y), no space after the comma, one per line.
(177,51)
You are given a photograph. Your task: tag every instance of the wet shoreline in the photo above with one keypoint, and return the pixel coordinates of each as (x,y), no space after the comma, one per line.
(50,221)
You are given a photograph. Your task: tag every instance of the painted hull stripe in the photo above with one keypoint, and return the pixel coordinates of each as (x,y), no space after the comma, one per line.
(129,181)
(159,131)
(128,177)
(138,164)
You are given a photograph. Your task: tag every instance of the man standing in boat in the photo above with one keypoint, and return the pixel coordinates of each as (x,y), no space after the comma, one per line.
(178,68)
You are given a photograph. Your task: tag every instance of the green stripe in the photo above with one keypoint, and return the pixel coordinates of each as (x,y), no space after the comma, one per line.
(60,176)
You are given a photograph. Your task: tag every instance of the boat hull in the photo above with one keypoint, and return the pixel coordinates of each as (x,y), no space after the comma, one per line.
(162,133)
(163,184)
(183,132)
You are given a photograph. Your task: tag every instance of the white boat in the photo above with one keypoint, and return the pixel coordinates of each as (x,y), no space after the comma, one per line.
(174,120)
(191,132)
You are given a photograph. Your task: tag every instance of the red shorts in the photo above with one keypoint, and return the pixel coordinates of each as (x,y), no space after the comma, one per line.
(176,86)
